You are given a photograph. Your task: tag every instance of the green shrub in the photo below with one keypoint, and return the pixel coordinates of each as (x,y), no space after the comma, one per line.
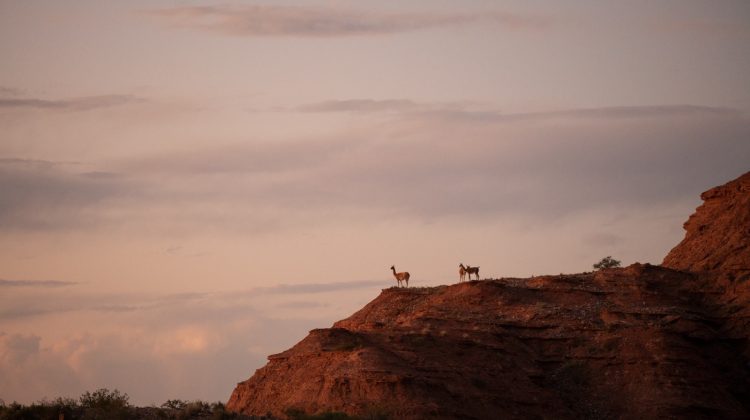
(607,262)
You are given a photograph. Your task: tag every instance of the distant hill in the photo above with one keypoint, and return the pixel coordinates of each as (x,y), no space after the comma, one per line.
(643,341)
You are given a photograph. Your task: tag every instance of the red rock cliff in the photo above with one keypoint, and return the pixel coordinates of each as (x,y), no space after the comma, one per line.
(718,234)
(637,342)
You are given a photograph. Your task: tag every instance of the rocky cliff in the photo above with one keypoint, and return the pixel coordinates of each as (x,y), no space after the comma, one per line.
(718,233)
(638,342)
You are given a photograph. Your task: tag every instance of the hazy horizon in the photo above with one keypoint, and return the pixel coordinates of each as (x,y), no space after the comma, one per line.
(188,187)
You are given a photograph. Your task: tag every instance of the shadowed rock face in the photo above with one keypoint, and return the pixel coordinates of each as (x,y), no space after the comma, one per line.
(637,342)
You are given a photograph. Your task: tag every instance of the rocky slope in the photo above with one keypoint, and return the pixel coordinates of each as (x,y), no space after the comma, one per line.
(638,342)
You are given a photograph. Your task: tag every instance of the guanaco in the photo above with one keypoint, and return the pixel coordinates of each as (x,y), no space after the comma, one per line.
(472,270)
(401,276)
(461,273)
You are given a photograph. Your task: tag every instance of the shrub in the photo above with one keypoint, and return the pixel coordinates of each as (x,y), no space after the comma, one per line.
(105,404)
(607,262)
(219,411)
(65,406)
(104,399)
(174,404)
(39,410)
(193,409)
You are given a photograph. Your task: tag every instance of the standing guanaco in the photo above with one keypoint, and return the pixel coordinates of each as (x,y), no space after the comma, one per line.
(401,276)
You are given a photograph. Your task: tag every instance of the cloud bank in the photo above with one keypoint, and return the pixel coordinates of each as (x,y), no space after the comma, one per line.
(320,22)
(181,345)
(422,162)
(33,305)
(50,195)
(9,91)
(35,283)
(73,104)
(361,105)
(307,288)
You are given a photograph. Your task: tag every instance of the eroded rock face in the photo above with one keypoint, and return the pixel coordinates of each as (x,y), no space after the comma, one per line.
(718,234)
(637,342)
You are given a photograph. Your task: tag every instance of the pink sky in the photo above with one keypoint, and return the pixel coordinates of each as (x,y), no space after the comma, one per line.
(187,187)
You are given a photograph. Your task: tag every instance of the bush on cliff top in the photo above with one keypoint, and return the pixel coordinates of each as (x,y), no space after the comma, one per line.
(607,262)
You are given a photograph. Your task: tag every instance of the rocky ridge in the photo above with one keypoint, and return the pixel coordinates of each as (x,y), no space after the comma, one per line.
(643,341)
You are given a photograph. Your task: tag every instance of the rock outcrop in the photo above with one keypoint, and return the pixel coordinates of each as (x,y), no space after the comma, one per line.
(718,234)
(637,342)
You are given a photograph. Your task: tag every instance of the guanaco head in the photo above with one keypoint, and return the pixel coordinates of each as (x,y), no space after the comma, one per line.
(393,268)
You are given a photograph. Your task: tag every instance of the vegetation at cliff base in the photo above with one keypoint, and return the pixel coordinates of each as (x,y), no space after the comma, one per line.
(104,404)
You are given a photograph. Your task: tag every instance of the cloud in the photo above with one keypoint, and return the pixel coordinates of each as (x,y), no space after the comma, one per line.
(36,304)
(16,348)
(186,339)
(117,308)
(459,111)
(601,113)
(173,250)
(100,175)
(49,195)
(35,283)
(306,288)
(259,157)
(446,161)
(657,111)
(264,20)
(13,311)
(554,163)
(30,369)
(152,347)
(361,105)
(302,304)
(73,104)
(463,163)
(705,27)
(151,365)
(421,162)
(9,91)
(33,163)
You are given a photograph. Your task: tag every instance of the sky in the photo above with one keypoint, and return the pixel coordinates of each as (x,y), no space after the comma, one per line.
(187,187)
